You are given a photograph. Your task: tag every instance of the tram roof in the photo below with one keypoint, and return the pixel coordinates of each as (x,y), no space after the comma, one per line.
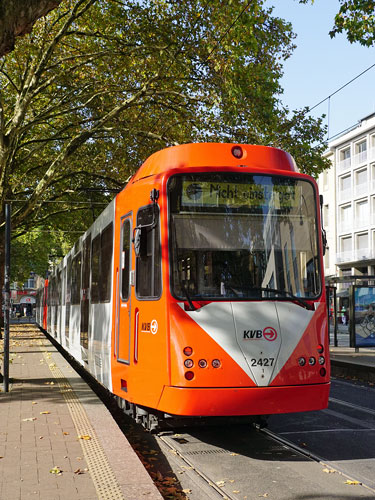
(215,155)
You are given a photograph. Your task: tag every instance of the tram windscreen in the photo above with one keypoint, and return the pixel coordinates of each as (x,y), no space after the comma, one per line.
(243,236)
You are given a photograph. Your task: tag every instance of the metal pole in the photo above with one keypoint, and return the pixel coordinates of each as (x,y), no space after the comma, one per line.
(335,317)
(6,298)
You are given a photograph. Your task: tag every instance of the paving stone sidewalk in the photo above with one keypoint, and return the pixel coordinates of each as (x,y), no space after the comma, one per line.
(49,446)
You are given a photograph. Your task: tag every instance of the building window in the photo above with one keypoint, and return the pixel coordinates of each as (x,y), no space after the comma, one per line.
(345,187)
(362,246)
(361,213)
(344,159)
(346,218)
(345,182)
(373,177)
(361,183)
(360,152)
(346,248)
(345,154)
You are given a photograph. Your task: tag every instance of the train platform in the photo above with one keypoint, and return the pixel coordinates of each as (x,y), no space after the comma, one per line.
(355,363)
(57,439)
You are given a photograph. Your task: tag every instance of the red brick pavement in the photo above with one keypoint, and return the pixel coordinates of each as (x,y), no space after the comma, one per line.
(38,435)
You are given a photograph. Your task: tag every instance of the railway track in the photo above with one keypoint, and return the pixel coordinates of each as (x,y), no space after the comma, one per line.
(195,459)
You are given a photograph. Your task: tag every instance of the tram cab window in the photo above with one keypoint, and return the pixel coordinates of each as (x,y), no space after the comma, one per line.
(243,236)
(148,266)
(126,256)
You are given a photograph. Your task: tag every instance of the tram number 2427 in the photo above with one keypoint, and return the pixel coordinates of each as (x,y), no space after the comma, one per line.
(262,361)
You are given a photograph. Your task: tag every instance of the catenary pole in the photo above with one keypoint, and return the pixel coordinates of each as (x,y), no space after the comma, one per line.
(6,299)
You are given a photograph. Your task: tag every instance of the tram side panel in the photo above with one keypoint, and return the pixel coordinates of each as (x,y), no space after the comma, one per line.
(101,299)
(139,328)
(63,313)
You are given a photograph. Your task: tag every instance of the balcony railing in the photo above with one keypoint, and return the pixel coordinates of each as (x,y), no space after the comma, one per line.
(360,158)
(345,226)
(344,164)
(361,222)
(355,256)
(363,254)
(344,257)
(345,194)
(361,189)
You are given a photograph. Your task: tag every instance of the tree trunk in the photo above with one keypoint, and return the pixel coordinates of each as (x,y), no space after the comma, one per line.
(17,18)
(2,264)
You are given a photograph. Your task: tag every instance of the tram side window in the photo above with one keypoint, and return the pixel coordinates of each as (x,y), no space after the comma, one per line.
(68,289)
(106,250)
(148,267)
(95,261)
(76,279)
(58,288)
(101,266)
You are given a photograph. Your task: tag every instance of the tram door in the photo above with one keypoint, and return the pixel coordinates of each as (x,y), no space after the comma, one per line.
(124,295)
(85,299)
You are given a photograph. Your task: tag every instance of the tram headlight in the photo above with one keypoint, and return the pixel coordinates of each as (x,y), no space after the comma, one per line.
(301,361)
(321,360)
(189,363)
(202,363)
(237,152)
(216,363)
(312,361)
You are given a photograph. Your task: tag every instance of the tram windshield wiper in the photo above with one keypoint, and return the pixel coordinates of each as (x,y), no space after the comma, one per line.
(191,305)
(285,293)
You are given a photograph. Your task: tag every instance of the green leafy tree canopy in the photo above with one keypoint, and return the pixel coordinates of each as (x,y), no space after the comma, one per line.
(99,85)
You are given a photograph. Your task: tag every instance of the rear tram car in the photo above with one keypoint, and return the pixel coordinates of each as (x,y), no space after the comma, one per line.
(199,290)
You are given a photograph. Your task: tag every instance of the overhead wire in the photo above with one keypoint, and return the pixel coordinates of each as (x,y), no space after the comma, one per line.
(342,87)
(329,104)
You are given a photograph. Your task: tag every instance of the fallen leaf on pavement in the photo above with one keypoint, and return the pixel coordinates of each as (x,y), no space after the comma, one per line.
(56,470)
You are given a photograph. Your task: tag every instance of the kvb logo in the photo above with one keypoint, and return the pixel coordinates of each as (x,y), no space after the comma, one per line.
(270,333)
(267,333)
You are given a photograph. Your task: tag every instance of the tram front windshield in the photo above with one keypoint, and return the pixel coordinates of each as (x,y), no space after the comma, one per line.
(243,236)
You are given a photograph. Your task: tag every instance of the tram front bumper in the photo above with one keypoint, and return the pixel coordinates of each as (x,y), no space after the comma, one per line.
(240,401)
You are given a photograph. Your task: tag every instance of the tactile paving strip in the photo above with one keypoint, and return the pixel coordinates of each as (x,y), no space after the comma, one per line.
(103,477)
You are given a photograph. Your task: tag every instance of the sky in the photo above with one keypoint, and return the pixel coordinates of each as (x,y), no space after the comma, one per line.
(320,65)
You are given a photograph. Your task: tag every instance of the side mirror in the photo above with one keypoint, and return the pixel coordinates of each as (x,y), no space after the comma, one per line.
(140,241)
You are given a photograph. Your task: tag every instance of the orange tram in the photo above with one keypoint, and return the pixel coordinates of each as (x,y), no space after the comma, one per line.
(199,290)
